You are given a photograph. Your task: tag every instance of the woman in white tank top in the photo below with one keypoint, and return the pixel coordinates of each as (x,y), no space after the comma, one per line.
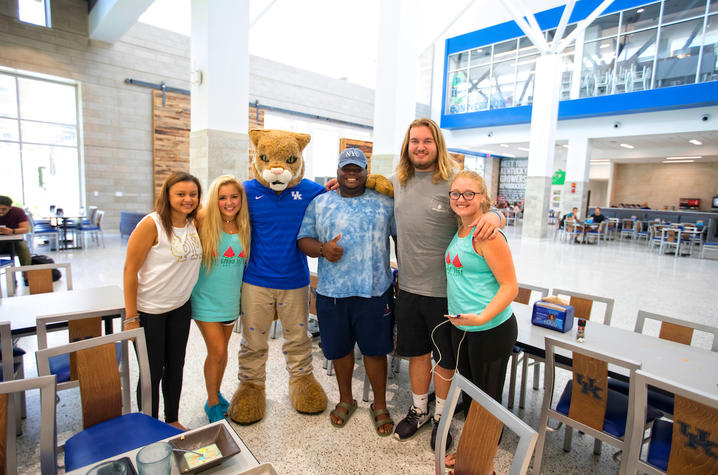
(161,269)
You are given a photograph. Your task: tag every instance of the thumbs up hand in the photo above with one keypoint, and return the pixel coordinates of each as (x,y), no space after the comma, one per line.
(332,251)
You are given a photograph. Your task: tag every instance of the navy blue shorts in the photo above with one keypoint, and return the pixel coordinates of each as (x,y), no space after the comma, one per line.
(349,320)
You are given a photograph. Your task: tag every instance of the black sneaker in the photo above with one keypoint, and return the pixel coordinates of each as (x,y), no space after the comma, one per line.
(434,429)
(408,426)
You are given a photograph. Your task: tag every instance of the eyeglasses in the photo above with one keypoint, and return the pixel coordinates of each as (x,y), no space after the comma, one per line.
(467,195)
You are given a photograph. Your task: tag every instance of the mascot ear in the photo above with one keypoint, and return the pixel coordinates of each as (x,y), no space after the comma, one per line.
(255,135)
(302,139)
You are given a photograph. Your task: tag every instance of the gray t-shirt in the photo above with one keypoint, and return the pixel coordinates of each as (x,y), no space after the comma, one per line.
(425,225)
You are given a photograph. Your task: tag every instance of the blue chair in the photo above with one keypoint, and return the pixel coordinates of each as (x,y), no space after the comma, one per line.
(48,441)
(586,402)
(482,430)
(690,449)
(14,371)
(80,326)
(110,428)
(673,329)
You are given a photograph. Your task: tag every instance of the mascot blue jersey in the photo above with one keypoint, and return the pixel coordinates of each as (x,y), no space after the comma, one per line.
(275,261)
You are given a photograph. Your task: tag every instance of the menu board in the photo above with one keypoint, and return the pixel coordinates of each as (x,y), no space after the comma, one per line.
(512,179)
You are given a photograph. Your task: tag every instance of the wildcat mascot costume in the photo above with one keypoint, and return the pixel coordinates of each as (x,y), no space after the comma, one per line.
(277,277)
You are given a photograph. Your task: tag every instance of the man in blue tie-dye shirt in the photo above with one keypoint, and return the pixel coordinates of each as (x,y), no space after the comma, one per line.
(348,230)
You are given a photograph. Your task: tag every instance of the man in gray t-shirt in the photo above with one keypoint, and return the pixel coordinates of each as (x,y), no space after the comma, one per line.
(425,226)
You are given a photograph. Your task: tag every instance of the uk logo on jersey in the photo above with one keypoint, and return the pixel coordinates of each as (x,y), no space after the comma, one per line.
(296,195)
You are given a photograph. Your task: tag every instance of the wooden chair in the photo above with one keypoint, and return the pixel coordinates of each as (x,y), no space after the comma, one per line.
(586,402)
(13,371)
(109,426)
(670,237)
(583,304)
(523,297)
(687,446)
(48,453)
(628,228)
(480,436)
(39,277)
(80,326)
(673,329)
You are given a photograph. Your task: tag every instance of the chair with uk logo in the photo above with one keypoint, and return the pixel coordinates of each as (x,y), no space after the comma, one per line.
(586,403)
(686,445)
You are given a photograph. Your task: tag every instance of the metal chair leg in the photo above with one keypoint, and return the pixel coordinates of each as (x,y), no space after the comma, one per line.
(567,439)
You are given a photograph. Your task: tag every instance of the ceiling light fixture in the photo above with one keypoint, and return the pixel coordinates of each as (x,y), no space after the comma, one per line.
(509,155)
(695,142)
(678,161)
(524,149)
(564,145)
(628,146)
(693,157)
(504,145)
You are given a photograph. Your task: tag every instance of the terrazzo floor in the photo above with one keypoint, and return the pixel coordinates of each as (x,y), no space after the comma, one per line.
(685,287)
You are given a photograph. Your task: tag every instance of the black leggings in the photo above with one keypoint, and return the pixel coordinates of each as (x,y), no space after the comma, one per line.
(484,356)
(166,336)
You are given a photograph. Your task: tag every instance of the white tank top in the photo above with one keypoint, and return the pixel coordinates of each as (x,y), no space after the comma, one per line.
(171,268)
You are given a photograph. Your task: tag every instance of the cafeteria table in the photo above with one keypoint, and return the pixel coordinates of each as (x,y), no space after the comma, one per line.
(240,463)
(685,365)
(22,311)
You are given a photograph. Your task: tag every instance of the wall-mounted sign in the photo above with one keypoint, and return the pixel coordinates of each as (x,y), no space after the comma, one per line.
(558,177)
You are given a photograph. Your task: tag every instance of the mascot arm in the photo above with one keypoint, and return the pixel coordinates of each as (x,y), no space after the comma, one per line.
(381,184)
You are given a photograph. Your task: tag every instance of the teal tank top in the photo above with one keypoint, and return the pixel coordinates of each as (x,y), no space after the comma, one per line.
(215,297)
(470,284)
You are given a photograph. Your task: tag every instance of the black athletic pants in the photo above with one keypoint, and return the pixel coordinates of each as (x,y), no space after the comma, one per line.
(484,355)
(166,336)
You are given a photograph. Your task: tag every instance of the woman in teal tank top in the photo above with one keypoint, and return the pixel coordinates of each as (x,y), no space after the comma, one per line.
(481,284)
(224,231)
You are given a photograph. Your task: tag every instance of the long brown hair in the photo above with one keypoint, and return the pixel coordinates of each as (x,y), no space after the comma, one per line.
(162,204)
(444,163)
(210,222)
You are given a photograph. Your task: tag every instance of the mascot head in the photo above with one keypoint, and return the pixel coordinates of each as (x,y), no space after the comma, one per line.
(278,162)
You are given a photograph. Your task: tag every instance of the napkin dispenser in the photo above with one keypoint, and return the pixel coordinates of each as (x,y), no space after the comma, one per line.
(553,316)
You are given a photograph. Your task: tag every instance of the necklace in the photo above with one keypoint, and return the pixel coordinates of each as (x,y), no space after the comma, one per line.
(228,220)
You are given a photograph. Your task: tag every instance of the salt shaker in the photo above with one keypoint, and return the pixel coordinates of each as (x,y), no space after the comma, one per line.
(581,331)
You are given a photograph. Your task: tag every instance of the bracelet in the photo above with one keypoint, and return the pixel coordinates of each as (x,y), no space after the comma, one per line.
(133,319)
(321,250)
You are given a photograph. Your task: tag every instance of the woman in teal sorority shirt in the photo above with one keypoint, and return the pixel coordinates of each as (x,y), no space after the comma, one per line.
(481,283)
(224,231)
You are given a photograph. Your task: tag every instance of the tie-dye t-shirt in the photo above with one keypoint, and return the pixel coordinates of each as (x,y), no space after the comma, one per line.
(366,223)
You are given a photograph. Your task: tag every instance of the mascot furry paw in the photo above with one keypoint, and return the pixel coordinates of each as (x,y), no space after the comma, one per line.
(381,184)
(248,404)
(276,279)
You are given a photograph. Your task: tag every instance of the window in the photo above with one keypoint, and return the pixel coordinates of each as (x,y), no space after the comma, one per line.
(658,44)
(39,144)
(678,50)
(36,12)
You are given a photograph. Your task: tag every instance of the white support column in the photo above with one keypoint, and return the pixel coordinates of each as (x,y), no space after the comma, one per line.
(541,149)
(575,191)
(219,143)
(395,93)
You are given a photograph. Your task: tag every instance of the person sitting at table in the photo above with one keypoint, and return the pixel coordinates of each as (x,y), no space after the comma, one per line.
(161,268)
(481,284)
(13,220)
(224,231)
(597,217)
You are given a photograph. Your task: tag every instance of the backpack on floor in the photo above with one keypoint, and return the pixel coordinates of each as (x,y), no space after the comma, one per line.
(42,259)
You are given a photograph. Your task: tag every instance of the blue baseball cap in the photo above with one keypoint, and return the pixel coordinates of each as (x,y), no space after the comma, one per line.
(352,155)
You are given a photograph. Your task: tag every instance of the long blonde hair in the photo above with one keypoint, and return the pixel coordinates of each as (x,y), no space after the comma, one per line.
(210,222)
(444,163)
(479,180)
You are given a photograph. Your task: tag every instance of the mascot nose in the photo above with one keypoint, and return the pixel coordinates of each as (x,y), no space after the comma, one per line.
(277,170)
